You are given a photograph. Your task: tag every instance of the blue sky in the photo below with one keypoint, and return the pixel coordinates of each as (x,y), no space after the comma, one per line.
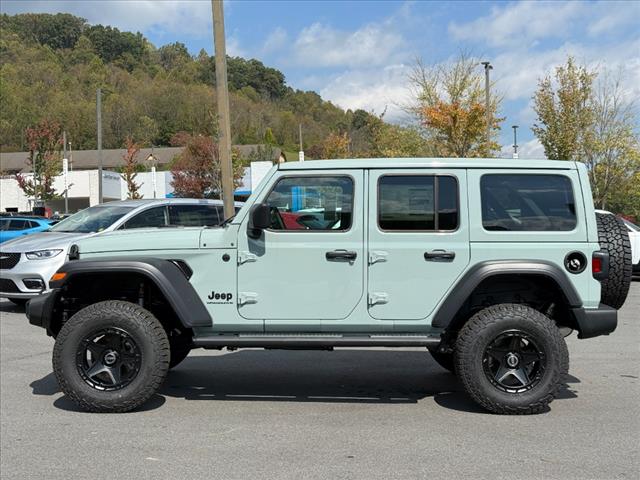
(358,54)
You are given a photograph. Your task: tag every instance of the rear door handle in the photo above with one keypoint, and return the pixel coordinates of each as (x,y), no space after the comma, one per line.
(439,256)
(341,255)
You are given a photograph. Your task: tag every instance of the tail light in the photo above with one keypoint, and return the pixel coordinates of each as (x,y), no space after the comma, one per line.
(600,265)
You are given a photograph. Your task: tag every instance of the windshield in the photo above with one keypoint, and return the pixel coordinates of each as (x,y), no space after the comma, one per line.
(4,225)
(92,219)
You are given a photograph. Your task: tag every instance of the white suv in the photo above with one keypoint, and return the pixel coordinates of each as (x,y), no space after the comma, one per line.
(27,263)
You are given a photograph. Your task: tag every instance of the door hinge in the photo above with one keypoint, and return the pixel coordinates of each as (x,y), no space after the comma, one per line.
(376,256)
(247,298)
(378,298)
(245,257)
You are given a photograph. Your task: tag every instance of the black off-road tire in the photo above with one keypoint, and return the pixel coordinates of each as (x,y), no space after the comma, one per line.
(20,302)
(614,239)
(478,333)
(445,360)
(141,326)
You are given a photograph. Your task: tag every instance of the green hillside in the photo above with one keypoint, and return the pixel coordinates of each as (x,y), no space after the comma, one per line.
(51,66)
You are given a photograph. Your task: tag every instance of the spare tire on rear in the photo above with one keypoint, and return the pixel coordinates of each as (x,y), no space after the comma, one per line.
(614,239)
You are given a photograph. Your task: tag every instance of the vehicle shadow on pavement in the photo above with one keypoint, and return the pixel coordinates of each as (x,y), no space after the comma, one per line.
(48,385)
(10,307)
(342,376)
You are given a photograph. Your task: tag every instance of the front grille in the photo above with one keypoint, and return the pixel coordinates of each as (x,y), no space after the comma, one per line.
(8,260)
(7,286)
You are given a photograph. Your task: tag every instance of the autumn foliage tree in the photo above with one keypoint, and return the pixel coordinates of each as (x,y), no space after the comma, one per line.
(587,118)
(449,102)
(196,172)
(44,142)
(130,168)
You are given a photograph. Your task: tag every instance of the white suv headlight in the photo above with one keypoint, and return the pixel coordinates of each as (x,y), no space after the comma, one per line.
(42,254)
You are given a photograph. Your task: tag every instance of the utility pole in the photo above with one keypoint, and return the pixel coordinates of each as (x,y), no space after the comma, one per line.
(99,121)
(65,171)
(222,94)
(515,141)
(300,152)
(487,68)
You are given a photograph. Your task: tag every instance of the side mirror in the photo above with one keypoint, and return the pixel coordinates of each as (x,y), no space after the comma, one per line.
(259,219)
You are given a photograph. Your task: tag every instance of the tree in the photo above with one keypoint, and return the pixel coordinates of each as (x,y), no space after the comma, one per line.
(336,145)
(565,111)
(196,172)
(130,168)
(394,141)
(449,102)
(612,149)
(44,142)
(585,118)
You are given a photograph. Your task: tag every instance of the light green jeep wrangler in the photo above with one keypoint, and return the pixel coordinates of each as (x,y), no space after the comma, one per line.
(485,263)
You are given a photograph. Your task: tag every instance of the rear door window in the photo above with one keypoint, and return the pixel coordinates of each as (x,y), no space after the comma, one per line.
(418,203)
(527,202)
(193,215)
(151,218)
(18,225)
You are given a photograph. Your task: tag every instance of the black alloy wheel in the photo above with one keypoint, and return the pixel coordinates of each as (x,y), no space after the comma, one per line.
(513,362)
(108,359)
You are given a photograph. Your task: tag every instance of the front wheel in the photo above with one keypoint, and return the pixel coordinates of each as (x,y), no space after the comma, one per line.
(511,359)
(111,356)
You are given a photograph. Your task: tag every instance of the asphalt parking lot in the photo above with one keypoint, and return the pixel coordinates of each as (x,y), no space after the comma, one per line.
(343,414)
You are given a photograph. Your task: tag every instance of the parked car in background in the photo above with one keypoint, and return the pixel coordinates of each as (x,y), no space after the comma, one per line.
(27,263)
(16,227)
(634,236)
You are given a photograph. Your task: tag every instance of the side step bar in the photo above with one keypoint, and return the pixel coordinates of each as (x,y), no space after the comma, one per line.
(315,341)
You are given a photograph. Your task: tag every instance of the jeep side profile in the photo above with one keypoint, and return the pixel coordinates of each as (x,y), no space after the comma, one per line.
(485,263)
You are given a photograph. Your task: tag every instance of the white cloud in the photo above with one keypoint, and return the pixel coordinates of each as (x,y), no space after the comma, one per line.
(323,46)
(172,16)
(518,23)
(376,89)
(531,149)
(275,41)
(517,72)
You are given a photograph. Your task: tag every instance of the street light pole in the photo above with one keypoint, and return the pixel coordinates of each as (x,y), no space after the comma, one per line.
(222,94)
(99,122)
(65,171)
(515,141)
(487,68)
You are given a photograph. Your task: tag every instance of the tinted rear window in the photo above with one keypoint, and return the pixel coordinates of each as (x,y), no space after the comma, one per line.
(523,202)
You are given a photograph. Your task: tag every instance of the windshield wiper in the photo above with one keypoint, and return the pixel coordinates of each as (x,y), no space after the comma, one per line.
(227,221)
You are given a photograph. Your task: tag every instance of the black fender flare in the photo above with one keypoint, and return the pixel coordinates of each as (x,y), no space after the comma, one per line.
(484,270)
(167,275)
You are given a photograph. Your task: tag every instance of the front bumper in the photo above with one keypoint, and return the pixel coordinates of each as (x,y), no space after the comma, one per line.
(13,279)
(593,322)
(39,310)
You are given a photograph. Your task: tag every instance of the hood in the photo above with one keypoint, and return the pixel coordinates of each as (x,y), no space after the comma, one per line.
(42,241)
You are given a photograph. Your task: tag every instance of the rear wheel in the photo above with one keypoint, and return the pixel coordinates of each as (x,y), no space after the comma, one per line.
(613,238)
(511,359)
(111,357)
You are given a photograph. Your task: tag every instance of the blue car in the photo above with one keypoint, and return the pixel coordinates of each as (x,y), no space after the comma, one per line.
(14,227)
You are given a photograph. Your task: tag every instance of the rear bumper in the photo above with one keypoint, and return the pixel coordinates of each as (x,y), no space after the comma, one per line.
(593,322)
(39,310)
(636,268)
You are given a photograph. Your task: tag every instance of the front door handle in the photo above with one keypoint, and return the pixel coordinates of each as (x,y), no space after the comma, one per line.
(439,256)
(341,255)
